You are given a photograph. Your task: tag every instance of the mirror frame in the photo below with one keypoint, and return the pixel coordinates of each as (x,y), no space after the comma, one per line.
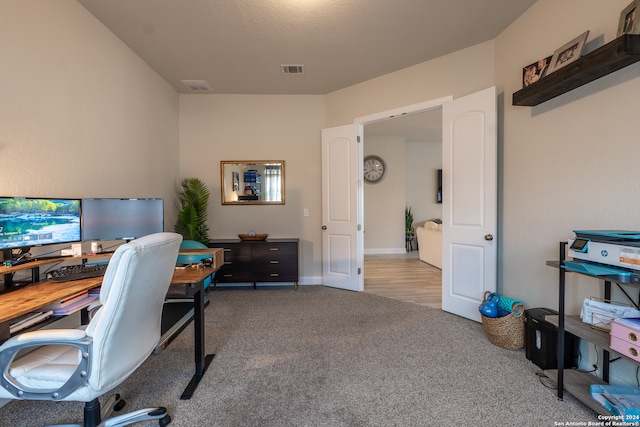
(226,183)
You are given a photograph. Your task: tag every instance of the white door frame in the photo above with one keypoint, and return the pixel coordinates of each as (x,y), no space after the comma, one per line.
(420,107)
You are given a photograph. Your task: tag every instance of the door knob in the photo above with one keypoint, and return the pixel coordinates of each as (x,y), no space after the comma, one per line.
(488,237)
(324,227)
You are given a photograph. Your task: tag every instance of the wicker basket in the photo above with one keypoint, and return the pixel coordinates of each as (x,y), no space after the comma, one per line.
(507,331)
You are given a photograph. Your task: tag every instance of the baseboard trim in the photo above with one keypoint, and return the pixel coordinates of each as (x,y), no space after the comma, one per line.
(309,280)
(385,251)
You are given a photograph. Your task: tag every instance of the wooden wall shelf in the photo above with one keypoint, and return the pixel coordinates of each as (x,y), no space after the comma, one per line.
(617,54)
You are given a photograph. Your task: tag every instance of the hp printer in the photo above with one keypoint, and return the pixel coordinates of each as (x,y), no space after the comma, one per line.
(619,248)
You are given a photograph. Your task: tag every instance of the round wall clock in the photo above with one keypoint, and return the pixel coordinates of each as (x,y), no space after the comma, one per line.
(374,169)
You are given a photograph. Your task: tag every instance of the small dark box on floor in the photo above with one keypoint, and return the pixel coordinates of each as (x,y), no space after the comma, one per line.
(542,340)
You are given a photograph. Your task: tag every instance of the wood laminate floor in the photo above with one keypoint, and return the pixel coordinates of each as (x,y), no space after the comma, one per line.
(403,277)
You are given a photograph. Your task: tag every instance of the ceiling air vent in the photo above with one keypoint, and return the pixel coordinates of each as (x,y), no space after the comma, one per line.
(196,85)
(292,69)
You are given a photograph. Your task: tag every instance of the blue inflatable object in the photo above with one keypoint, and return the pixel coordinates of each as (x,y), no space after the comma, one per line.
(489,308)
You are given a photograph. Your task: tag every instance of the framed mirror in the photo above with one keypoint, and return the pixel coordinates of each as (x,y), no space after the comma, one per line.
(252,182)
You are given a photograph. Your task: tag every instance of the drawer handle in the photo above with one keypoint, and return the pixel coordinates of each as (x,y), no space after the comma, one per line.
(274,249)
(228,275)
(633,336)
(633,352)
(274,275)
(227,250)
(278,262)
(227,263)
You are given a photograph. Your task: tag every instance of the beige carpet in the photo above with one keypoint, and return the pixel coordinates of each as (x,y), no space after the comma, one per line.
(327,357)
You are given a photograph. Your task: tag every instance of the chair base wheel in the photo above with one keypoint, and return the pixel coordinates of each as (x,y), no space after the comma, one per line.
(118,406)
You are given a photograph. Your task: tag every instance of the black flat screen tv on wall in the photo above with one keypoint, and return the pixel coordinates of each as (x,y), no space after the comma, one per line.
(439,189)
(121,219)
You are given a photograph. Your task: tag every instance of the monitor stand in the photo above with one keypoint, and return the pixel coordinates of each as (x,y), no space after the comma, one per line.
(12,255)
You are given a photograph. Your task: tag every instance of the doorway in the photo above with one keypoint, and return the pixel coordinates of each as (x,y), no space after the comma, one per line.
(469,174)
(411,145)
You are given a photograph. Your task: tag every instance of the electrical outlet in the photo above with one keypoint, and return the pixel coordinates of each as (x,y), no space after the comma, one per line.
(306,211)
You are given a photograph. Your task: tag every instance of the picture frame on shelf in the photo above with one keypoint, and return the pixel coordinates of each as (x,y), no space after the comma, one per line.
(534,72)
(629,19)
(568,53)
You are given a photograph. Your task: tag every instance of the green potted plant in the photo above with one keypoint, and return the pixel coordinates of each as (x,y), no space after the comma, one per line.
(408,223)
(192,217)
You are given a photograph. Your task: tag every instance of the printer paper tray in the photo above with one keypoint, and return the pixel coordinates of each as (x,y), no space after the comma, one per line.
(593,269)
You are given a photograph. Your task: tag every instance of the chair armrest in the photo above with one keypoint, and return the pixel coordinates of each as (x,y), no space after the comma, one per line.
(42,337)
(65,337)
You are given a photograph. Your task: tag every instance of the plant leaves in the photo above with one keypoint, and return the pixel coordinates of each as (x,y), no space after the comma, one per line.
(192,217)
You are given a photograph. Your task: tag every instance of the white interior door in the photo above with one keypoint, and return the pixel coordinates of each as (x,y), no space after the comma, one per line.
(342,239)
(469,202)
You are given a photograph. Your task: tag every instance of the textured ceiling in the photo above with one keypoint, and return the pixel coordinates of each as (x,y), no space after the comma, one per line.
(238,46)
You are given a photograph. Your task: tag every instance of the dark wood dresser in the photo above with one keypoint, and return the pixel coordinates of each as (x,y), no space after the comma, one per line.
(254,261)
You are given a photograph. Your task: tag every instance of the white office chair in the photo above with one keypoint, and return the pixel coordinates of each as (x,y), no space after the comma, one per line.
(83,364)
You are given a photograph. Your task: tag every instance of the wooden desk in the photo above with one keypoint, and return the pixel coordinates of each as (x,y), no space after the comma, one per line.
(33,296)
(187,282)
(34,265)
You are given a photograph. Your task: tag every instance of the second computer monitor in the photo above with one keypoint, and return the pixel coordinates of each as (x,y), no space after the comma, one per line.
(121,219)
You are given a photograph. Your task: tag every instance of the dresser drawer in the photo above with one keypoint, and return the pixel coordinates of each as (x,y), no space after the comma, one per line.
(275,271)
(275,262)
(230,275)
(275,251)
(258,261)
(238,252)
(237,264)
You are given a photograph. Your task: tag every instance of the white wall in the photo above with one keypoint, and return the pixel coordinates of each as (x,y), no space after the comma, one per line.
(82,116)
(384,201)
(460,73)
(411,180)
(260,127)
(569,163)
(592,129)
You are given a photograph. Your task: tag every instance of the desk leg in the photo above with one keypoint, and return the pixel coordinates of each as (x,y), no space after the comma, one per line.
(560,343)
(202,360)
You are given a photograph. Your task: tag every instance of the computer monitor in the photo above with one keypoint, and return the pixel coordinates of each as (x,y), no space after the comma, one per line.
(26,221)
(121,219)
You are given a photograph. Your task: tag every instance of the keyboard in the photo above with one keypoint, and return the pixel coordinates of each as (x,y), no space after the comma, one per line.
(76,272)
